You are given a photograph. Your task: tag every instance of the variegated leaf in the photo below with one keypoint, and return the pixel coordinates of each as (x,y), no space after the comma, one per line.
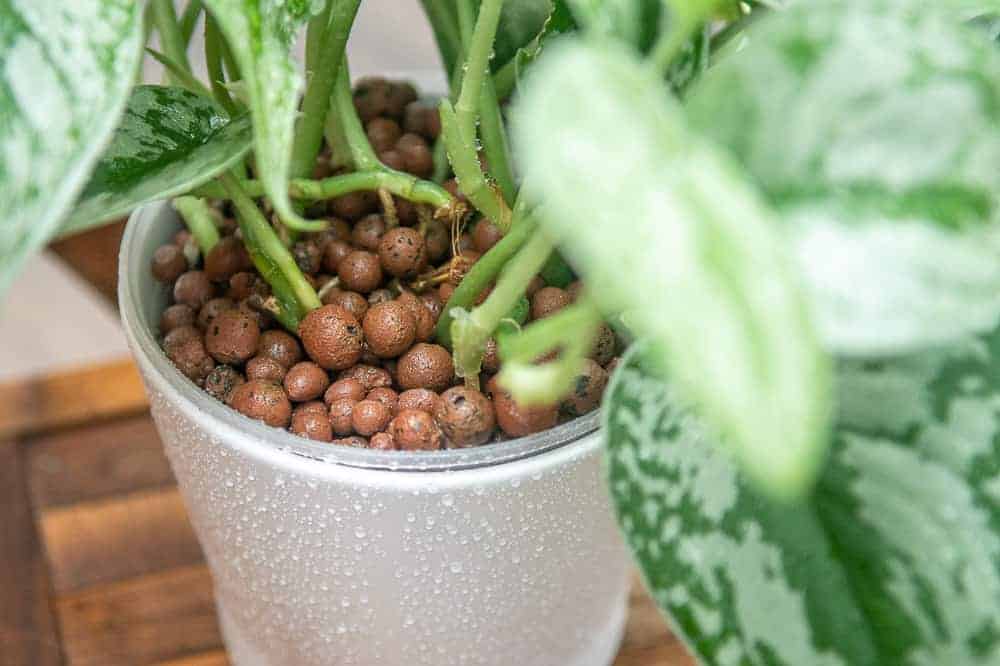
(65,72)
(673,235)
(872,126)
(169,141)
(894,560)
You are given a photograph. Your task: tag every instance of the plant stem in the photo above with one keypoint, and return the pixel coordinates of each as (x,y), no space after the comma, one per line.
(189,19)
(213,62)
(354,134)
(315,35)
(199,221)
(171,40)
(261,240)
(477,61)
(180,75)
(396,182)
(470,331)
(316,102)
(494,139)
(481,274)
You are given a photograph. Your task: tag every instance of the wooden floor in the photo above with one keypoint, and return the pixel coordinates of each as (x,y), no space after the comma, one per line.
(98,563)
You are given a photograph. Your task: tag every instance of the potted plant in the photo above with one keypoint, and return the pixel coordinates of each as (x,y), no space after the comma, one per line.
(791,210)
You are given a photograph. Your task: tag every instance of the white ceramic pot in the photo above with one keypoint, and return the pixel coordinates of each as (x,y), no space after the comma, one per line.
(505,554)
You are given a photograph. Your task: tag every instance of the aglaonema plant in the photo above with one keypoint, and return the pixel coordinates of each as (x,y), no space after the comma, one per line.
(792,210)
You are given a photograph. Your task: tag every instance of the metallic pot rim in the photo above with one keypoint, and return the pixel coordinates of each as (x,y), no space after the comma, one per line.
(137,246)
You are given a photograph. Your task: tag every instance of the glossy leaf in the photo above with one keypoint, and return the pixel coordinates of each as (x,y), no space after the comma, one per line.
(888,175)
(671,233)
(634,22)
(169,141)
(521,21)
(895,559)
(260,34)
(67,69)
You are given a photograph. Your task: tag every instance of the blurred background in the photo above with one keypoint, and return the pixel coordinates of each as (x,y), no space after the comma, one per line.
(60,312)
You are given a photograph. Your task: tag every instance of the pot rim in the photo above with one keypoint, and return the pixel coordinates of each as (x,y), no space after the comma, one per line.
(136,249)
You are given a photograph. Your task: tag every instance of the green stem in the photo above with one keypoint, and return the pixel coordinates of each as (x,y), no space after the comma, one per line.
(182,76)
(189,19)
(232,69)
(494,139)
(395,182)
(316,102)
(470,331)
(477,62)
(171,39)
(481,274)
(261,240)
(572,331)
(315,35)
(213,62)
(199,221)
(464,160)
(354,133)
(442,20)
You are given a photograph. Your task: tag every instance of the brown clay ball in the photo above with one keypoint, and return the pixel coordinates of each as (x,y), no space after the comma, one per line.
(485,235)
(340,416)
(305,381)
(308,256)
(360,271)
(423,119)
(371,97)
(353,206)
(382,441)
(194,289)
(227,258)
(401,93)
(415,430)
(353,441)
(264,401)
(392,158)
(426,366)
(380,296)
(351,301)
(232,337)
(370,376)
(345,389)
(536,284)
(421,314)
(416,154)
(221,381)
(548,300)
(368,232)
(383,133)
(432,303)
(280,346)
(437,241)
(445,291)
(604,345)
(587,390)
(334,253)
(406,211)
(175,316)
(420,399)
(266,368)
(168,263)
(186,350)
(389,329)
(244,284)
(517,420)
(402,252)
(369,417)
(574,289)
(386,396)
(311,420)
(332,337)
(465,416)
(209,311)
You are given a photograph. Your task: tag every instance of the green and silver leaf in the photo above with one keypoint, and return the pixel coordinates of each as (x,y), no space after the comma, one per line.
(895,559)
(675,237)
(521,21)
(169,141)
(67,70)
(260,34)
(633,22)
(872,127)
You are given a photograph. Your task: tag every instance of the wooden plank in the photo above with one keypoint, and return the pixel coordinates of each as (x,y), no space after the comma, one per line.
(87,464)
(109,540)
(94,256)
(648,640)
(81,396)
(145,620)
(214,658)
(27,631)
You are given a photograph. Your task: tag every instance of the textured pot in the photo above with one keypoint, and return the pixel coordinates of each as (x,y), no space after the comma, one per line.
(504,554)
